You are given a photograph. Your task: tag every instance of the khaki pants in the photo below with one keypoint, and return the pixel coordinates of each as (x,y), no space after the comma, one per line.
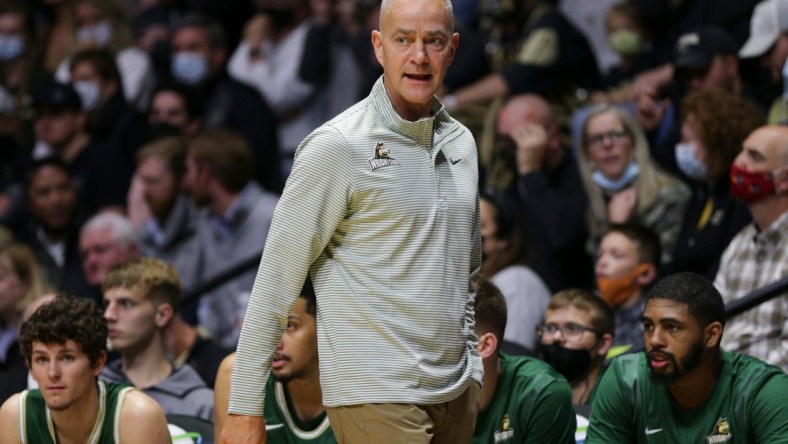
(446,423)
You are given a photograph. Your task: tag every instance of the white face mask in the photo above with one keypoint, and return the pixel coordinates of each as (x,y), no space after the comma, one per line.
(89,92)
(100,33)
(688,164)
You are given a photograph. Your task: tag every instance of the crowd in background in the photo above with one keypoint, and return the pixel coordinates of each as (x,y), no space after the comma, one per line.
(168,128)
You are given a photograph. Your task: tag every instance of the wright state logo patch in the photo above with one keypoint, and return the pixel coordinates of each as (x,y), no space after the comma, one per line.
(382,157)
(721,433)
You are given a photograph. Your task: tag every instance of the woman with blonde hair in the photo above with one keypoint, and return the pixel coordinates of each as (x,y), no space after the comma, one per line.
(21,281)
(623,183)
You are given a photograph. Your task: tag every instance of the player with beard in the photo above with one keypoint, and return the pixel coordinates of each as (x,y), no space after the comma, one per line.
(294,414)
(685,388)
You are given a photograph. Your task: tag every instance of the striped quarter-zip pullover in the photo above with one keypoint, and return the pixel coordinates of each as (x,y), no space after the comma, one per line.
(384,215)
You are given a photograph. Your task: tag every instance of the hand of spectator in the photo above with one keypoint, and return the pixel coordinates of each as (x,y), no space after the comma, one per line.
(243,429)
(531,140)
(622,206)
(257,30)
(652,79)
(153,34)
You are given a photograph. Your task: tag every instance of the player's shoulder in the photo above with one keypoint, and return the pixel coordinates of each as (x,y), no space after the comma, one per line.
(9,419)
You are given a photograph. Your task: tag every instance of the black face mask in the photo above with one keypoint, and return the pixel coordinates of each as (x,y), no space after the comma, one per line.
(570,363)
(163,130)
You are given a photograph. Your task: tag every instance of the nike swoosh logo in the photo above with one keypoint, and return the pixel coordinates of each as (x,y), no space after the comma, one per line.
(652,431)
(454,162)
(279,426)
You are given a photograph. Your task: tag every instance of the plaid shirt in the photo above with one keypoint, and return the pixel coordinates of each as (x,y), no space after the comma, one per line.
(753,260)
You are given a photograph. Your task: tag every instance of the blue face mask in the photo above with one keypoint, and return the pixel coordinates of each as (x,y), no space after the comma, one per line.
(11,47)
(629,176)
(688,164)
(189,67)
(100,34)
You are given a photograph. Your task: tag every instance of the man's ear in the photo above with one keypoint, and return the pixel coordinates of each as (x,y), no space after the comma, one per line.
(164,314)
(99,366)
(648,274)
(377,44)
(605,344)
(455,42)
(488,343)
(712,334)
(781,179)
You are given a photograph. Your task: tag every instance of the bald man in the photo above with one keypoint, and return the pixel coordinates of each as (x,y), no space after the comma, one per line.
(758,255)
(549,190)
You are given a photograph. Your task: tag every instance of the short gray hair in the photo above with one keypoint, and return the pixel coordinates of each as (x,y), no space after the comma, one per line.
(120,226)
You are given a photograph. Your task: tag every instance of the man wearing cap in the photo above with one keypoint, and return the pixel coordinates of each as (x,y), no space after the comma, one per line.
(101,176)
(769,41)
(705,58)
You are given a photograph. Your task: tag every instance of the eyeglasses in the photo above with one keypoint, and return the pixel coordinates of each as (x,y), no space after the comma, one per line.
(615,135)
(570,330)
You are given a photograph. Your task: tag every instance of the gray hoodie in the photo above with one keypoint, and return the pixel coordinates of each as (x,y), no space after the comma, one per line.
(182,393)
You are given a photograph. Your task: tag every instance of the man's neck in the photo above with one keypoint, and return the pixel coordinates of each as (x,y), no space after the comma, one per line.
(633,300)
(222,201)
(74,424)
(583,386)
(148,366)
(766,211)
(492,371)
(306,397)
(180,339)
(695,388)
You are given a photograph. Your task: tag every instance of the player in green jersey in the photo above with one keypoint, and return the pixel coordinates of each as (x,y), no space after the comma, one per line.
(685,388)
(64,344)
(523,399)
(294,412)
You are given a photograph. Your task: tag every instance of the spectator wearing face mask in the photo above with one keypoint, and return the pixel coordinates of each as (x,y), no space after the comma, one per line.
(756,257)
(104,24)
(630,39)
(95,77)
(173,112)
(20,69)
(574,339)
(714,125)
(623,183)
(100,172)
(198,66)
(626,266)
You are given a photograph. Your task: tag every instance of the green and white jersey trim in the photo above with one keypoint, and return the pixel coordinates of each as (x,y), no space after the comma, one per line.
(281,402)
(95,434)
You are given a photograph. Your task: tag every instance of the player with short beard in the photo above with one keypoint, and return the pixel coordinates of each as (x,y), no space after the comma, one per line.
(294,413)
(685,388)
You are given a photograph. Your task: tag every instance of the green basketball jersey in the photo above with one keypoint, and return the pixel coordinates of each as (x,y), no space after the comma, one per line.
(37,427)
(532,404)
(749,404)
(282,427)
